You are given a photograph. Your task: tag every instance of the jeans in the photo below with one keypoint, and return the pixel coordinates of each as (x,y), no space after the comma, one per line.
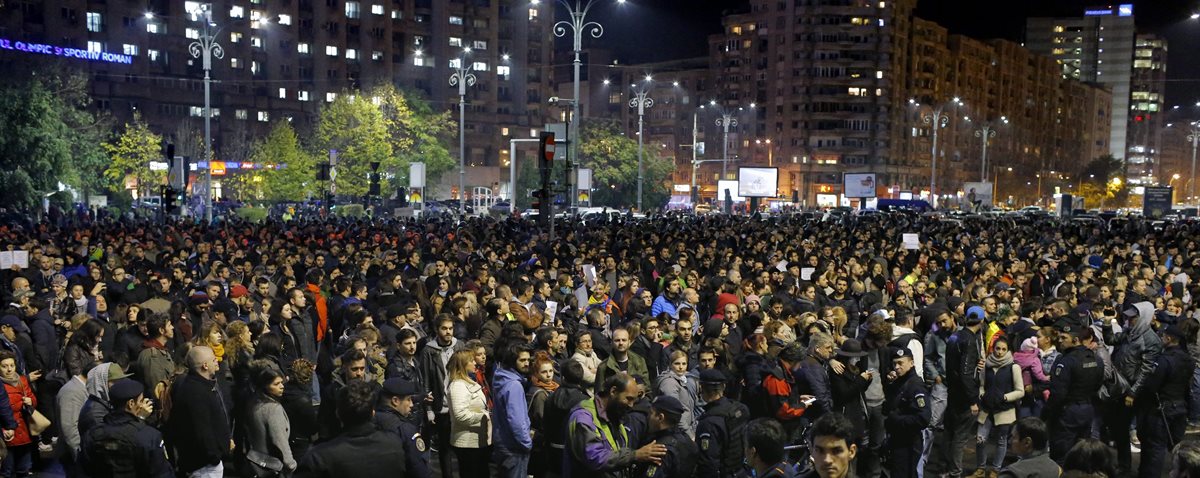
(1194,398)
(937,412)
(441,427)
(1157,437)
(959,424)
(210,471)
(988,429)
(19,460)
(511,464)
(870,464)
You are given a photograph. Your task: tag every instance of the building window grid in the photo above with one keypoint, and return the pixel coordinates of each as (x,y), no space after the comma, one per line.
(95,22)
(352,10)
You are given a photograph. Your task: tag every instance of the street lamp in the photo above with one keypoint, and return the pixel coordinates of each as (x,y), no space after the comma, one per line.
(727,118)
(577,24)
(1194,137)
(462,78)
(938,118)
(641,100)
(206,48)
(985,132)
(770,151)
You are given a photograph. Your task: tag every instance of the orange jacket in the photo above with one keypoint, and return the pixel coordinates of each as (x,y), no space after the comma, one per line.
(322,311)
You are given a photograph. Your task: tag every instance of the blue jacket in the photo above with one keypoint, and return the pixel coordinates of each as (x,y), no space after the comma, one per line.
(662,304)
(511,426)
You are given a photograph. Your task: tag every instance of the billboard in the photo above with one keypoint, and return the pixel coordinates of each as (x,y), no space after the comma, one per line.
(978,193)
(858,185)
(1157,201)
(731,186)
(758,182)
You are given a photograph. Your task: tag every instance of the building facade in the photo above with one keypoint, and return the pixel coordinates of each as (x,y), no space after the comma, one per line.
(284,59)
(1146,111)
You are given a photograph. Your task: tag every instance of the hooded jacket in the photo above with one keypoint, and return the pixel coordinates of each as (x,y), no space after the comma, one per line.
(1137,348)
(511,429)
(431,361)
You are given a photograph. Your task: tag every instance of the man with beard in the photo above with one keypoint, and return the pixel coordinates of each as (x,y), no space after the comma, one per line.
(594,448)
(682,342)
(666,302)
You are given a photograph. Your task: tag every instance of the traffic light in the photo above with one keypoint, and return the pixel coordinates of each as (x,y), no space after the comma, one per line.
(373,188)
(545,157)
(323,172)
(169,199)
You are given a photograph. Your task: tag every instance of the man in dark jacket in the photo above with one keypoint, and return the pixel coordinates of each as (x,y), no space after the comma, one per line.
(361,449)
(392,414)
(1135,351)
(124,441)
(198,427)
(432,362)
(813,378)
(964,360)
(558,408)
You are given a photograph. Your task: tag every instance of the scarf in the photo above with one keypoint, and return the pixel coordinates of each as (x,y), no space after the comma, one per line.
(219,351)
(14,380)
(1003,361)
(550,386)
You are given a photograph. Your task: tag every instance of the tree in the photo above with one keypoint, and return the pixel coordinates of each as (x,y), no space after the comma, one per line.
(131,152)
(354,126)
(613,159)
(417,133)
(295,179)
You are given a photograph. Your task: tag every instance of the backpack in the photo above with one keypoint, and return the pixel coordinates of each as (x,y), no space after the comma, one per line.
(111,452)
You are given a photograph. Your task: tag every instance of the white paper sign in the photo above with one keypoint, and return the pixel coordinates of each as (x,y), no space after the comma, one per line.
(589,274)
(581,297)
(912,241)
(11,258)
(551,310)
(782,266)
(807,272)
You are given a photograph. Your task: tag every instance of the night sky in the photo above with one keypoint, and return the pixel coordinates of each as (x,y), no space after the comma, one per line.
(656,30)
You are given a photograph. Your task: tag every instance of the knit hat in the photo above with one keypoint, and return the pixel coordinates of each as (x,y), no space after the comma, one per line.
(712,328)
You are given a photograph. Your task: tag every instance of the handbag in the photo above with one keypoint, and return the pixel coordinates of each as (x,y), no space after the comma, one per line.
(37,422)
(263,465)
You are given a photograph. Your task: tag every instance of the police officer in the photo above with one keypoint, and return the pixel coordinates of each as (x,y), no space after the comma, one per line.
(124,445)
(680,461)
(1161,401)
(1075,379)
(396,403)
(907,414)
(720,428)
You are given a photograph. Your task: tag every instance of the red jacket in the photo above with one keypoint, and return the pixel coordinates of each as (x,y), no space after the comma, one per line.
(322,311)
(21,435)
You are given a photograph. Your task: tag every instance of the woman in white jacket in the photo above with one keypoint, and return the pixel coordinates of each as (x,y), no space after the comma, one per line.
(587,357)
(676,382)
(1000,390)
(470,419)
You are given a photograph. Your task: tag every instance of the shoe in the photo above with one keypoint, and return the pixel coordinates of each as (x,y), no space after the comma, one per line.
(1193,427)
(45,448)
(1134,448)
(1133,440)
(979,473)
(993,474)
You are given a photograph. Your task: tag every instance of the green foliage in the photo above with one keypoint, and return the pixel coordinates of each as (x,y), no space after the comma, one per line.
(130,154)
(1101,170)
(294,182)
(613,159)
(252,214)
(38,143)
(349,210)
(354,126)
(417,133)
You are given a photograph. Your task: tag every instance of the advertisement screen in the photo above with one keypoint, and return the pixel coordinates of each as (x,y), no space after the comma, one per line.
(859,185)
(977,193)
(732,187)
(758,182)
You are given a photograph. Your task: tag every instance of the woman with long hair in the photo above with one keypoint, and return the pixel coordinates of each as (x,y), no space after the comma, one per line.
(1001,388)
(83,348)
(675,382)
(542,384)
(297,402)
(211,336)
(267,426)
(470,420)
(19,460)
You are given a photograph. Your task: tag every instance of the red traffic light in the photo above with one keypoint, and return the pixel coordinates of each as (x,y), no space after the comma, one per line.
(546,148)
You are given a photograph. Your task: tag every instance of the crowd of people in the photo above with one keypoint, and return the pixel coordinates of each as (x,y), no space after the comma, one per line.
(667,346)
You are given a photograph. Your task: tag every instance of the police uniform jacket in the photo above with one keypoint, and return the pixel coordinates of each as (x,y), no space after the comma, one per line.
(719,437)
(416,449)
(1168,384)
(146,453)
(680,461)
(907,408)
(361,450)
(1075,378)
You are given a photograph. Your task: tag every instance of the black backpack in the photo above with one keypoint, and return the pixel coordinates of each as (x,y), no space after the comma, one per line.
(112,452)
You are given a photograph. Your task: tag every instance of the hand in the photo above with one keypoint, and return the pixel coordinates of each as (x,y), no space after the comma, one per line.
(651,453)
(937,379)
(806,399)
(1128,401)
(35,375)
(8,434)
(27,401)
(866,375)
(979,365)
(837,367)
(974,409)
(145,408)
(891,376)
(232,445)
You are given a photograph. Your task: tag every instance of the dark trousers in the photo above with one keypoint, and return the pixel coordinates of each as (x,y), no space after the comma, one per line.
(905,454)
(870,462)
(1074,423)
(1157,437)
(472,462)
(958,428)
(1117,418)
(441,430)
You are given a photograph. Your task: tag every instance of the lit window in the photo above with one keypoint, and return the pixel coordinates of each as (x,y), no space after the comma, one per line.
(329,97)
(882,4)
(95,47)
(456,41)
(351,9)
(192,33)
(235,37)
(879,74)
(283,93)
(264,116)
(533,133)
(377,9)
(456,20)
(256,42)
(302,48)
(234,63)
(503,131)
(285,19)
(152,55)
(397,15)
(418,61)
(480,66)
(237,12)
(376,55)
(532,14)
(503,71)
(331,50)
(881,22)
(153,27)
(131,50)
(303,96)
(479,45)
(196,111)
(351,54)
(95,22)
(241,114)
(191,8)
(455,63)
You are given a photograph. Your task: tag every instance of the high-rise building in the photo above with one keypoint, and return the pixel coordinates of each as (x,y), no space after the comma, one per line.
(1146,112)
(284,59)
(1097,47)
